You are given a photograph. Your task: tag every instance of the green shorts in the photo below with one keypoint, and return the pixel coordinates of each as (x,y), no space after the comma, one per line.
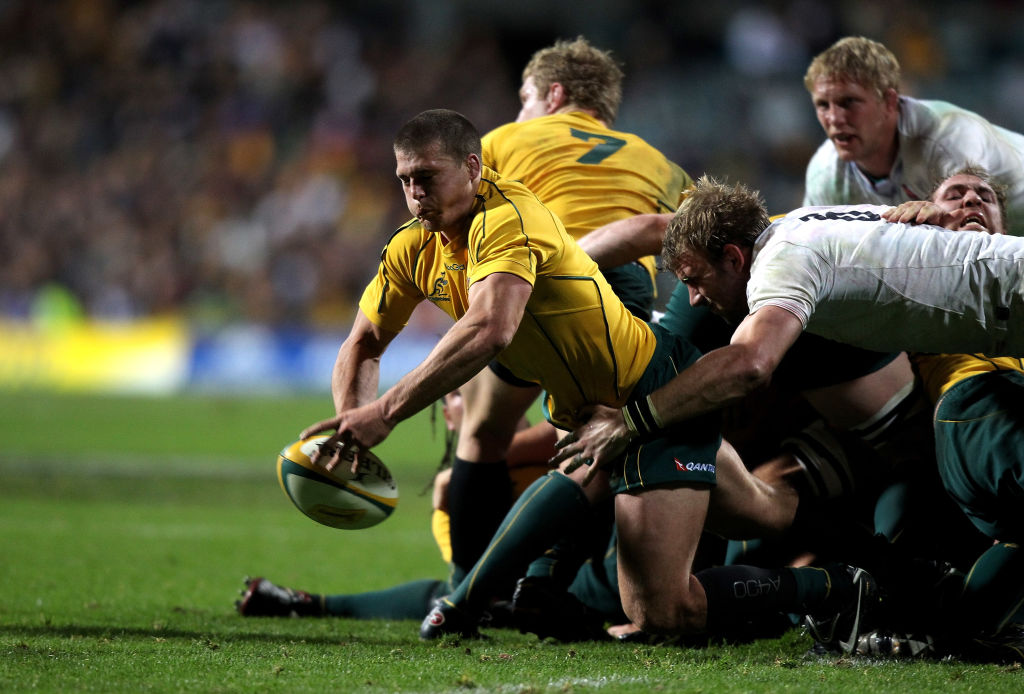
(979,447)
(634,286)
(684,453)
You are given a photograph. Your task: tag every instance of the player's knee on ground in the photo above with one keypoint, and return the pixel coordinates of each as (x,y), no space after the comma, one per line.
(667,612)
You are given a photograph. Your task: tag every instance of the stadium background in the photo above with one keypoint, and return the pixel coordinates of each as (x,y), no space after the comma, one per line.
(194,192)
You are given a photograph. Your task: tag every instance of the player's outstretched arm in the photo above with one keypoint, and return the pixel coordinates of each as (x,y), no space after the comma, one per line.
(354,381)
(719,378)
(626,240)
(356,373)
(496,306)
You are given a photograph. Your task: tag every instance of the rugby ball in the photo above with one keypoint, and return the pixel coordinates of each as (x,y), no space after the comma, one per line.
(338,498)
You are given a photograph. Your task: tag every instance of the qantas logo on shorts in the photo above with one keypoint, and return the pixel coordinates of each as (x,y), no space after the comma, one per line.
(694,467)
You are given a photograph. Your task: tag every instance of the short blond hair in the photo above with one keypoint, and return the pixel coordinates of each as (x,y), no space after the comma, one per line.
(591,77)
(981,173)
(712,215)
(856,59)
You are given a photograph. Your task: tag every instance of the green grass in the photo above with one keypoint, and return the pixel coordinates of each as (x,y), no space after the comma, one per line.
(126,526)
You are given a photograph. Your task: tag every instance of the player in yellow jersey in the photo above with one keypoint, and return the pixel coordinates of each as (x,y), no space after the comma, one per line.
(523,293)
(563,148)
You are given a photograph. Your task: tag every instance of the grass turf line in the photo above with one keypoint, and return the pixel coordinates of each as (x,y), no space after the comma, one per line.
(122,557)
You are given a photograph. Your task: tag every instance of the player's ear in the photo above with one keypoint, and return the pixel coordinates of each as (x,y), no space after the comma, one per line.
(556,97)
(735,257)
(473,165)
(891,98)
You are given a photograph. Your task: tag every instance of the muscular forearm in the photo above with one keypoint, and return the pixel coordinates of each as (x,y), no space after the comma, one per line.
(729,373)
(354,378)
(719,378)
(464,350)
(357,367)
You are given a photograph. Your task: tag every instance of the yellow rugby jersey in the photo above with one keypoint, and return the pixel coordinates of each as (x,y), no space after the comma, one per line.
(576,338)
(584,172)
(940,372)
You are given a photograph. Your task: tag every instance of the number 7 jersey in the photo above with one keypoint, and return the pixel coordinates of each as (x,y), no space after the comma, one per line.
(584,172)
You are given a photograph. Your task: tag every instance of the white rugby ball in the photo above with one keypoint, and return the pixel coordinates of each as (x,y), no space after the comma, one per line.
(338,498)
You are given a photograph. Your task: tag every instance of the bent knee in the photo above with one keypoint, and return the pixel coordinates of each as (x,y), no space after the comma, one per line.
(683,615)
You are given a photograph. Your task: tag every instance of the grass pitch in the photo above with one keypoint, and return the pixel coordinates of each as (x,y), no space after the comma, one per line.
(127,525)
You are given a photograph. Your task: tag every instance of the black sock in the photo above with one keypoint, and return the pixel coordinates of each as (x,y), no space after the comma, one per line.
(479,495)
(740,595)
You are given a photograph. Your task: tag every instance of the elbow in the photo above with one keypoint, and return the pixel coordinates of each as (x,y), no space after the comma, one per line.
(500,343)
(493,342)
(759,375)
(753,373)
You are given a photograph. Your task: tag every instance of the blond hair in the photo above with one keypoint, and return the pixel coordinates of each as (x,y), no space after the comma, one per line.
(712,215)
(856,59)
(979,172)
(591,77)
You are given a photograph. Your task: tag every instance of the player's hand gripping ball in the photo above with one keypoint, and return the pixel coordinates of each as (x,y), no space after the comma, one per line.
(339,498)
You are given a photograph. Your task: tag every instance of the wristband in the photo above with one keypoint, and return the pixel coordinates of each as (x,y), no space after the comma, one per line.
(641,418)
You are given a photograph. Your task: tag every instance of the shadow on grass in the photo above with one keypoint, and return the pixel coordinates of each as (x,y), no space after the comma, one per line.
(69,631)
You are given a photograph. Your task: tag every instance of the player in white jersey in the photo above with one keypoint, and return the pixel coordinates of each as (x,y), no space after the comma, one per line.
(825,276)
(851,276)
(885,148)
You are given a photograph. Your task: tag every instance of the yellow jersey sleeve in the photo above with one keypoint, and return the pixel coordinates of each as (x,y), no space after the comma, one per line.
(391,296)
(940,372)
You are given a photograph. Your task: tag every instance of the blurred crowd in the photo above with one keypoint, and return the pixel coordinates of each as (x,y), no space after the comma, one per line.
(231,160)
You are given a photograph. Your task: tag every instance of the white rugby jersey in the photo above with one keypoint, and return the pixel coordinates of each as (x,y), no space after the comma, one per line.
(936,139)
(852,277)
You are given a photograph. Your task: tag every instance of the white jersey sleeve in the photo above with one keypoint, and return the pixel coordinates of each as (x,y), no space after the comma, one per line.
(852,277)
(788,272)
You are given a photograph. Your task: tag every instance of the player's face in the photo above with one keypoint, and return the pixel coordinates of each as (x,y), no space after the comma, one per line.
(716,285)
(534,102)
(971,205)
(860,124)
(439,191)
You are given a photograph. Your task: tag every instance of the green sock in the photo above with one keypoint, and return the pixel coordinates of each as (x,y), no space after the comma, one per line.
(559,563)
(819,588)
(547,510)
(562,562)
(405,601)
(993,590)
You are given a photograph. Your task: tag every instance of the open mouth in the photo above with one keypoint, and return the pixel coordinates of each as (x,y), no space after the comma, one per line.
(974,221)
